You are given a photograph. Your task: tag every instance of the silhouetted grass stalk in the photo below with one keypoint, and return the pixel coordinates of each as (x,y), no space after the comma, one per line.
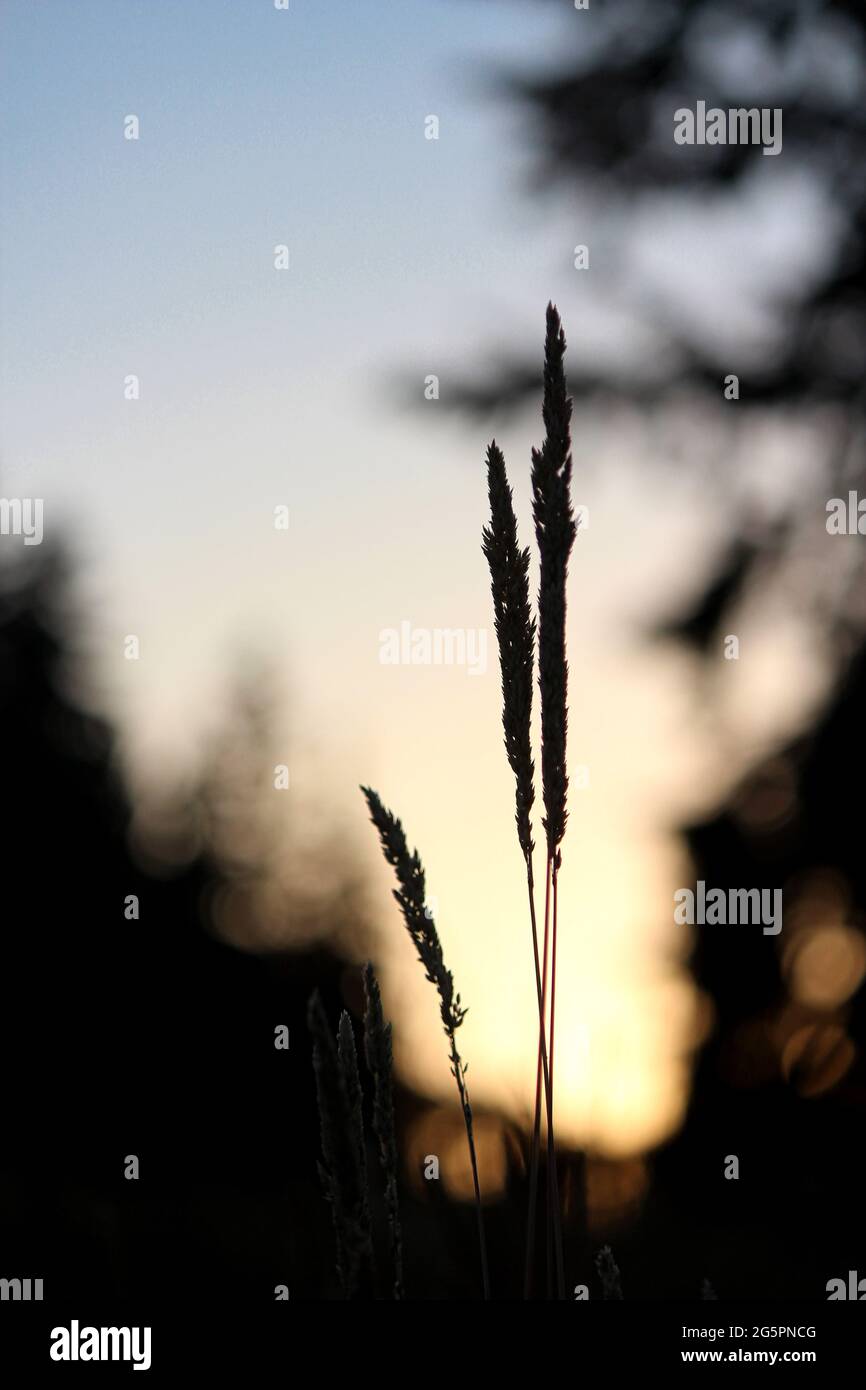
(515,634)
(608,1273)
(555,1221)
(377,1048)
(422,929)
(343,1168)
(555,532)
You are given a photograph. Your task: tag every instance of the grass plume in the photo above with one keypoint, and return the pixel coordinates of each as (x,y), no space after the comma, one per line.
(555,531)
(515,635)
(348,1059)
(608,1273)
(410,897)
(377,1048)
(342,1169)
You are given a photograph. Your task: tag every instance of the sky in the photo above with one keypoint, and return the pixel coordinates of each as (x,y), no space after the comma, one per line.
(264,388)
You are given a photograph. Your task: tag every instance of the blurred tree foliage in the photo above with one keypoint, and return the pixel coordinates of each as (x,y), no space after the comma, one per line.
(600,117)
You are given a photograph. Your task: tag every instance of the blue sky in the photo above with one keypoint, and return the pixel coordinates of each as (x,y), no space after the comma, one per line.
(258,127)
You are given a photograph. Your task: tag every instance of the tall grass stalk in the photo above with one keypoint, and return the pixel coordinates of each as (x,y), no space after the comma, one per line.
(555,531)
(515,635)
(608,1273)
(348,1059)
(410,898)
(377,1048)
(342,1169)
